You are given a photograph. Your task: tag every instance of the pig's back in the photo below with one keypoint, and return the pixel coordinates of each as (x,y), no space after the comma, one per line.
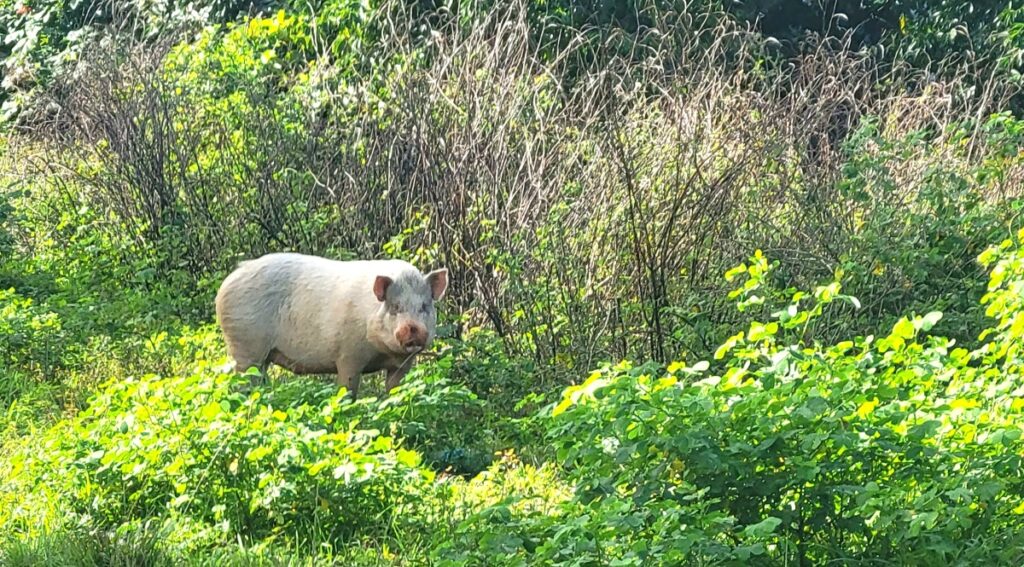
(288,286)
(256,291)
(277,279)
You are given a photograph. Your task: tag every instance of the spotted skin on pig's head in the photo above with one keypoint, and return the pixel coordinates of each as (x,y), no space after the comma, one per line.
(407,306)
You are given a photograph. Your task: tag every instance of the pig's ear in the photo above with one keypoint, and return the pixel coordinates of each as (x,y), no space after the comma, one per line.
(438,281)
(380,287)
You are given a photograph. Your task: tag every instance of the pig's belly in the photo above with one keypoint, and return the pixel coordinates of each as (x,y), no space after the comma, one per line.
(300,364)
(382,362)
(301,345)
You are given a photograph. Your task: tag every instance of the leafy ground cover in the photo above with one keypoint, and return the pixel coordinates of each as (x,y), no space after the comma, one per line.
(723,292)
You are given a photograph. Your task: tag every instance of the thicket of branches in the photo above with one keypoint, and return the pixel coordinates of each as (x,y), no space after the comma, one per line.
(587,202)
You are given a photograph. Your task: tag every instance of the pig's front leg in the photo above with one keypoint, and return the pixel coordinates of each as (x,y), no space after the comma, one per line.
(395,375)
(349,376)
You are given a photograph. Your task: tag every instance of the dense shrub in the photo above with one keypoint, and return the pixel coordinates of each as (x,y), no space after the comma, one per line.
(912,234)
(194,447)
(896,448)
(80,304)
(46,39)
(29,335)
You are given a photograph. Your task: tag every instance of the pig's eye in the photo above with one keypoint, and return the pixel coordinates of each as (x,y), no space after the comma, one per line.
(426,307)
(393,308)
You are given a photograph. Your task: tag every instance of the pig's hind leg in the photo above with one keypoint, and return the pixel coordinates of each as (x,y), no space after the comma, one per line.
(248,358)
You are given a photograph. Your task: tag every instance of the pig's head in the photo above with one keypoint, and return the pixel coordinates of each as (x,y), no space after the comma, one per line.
(407,316)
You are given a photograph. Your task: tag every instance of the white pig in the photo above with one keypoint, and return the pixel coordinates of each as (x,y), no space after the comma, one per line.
(313,315)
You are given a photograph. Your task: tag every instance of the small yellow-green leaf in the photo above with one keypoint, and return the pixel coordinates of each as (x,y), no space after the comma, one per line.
(903,329)
(867,408)
(408,458)
(731,274)
(175,466)
(318,466)
(733,378)
(258,453)
(210,411)
(666,382)
(565,404)
(757,332)
(727,345)
(963,403)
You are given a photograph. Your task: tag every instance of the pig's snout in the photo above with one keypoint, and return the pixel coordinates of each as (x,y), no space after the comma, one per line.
(412,337)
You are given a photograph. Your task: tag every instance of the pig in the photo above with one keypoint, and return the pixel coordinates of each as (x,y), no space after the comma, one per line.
(314,315)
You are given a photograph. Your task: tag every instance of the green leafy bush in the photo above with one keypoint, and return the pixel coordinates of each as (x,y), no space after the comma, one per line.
(430,413)
(897,448)
(427,413)
(196,447)
(8,216)
(31,338)
(33,351)
(923,257)
(44,40)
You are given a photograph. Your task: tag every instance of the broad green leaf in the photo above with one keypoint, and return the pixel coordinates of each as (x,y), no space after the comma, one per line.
(930,320)
(764,528)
